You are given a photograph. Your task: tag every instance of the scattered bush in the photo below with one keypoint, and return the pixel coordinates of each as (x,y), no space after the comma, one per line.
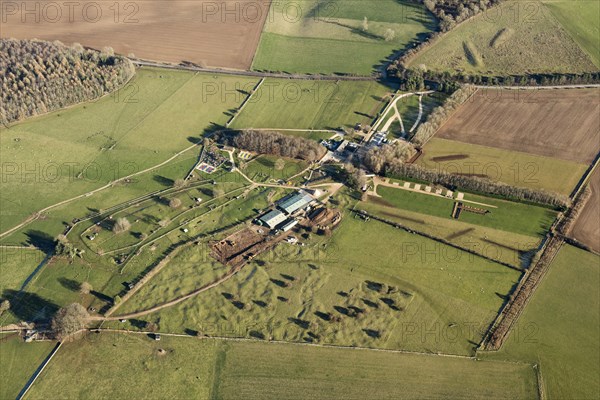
(122,225)
(175,202)
(85,288)
(4,306)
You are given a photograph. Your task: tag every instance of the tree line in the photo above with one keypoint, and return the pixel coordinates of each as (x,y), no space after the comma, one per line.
(447,80)
(38,76)
(271,142)
(475,184)
(441,114)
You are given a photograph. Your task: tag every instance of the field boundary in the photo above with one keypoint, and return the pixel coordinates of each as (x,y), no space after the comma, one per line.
(501,328)
(241,107)
(239,72)
(38,371)
(434,238)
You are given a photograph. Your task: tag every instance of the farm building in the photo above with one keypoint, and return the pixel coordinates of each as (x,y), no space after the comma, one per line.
(289,224)
(272,218)
(294,202)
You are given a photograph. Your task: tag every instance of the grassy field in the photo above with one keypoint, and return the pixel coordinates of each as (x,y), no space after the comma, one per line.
(408,107)
(15,267)
(128,366)
(312,104)
(54,221)
(507,216)
(57,283)
(507,247)
(340,293)
(73,151)
(559,329)
(204,369)
(265,168)
(512,38)
(275,371)
(315,37)
(511,167)
(18,362)
(580,19)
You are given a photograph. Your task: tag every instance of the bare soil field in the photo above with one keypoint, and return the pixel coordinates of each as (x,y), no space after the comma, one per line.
(223,34)
(587,227)
(554,123)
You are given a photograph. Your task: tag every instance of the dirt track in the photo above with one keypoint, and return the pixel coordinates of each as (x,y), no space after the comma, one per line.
(587,227)
(554,123)
(223,33)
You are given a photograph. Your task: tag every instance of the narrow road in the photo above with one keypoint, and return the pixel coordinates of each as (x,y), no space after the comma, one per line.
(418,116)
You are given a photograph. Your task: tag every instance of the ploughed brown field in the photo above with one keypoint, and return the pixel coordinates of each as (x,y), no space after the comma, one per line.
(209,33)
(561,123)
(587,227)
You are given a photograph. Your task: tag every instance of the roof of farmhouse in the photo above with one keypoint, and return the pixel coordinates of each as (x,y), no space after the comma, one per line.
(294,201)
(273,218)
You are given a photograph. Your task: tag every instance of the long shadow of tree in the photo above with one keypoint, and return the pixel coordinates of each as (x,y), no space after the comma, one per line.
(40,240)
(30,306)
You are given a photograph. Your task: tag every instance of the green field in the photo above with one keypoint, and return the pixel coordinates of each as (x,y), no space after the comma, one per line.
(18,361)
(266,168)
(512,38)
(15,267)
(278,371)
(70,152)
(119,366)
(57,283)
(511,167)
(391,276)
(327,37)
(297,104)
(559,329)
(203,369)
(504,215)
(507,247)
(580,19)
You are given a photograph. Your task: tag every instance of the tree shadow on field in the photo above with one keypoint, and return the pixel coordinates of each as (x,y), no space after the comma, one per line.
(29,306)
(163,180)
(69,284)
(41,240)
(101,296)
(194,139)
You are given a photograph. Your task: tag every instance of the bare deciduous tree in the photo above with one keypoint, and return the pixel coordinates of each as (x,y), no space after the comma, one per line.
(121,225)
(69,320)
(85,288)
(175,202)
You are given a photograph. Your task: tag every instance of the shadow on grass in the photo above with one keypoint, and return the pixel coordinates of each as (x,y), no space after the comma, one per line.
(30,306)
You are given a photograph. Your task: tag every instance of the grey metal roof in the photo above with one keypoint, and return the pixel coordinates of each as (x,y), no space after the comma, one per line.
(273,218)
(294,202)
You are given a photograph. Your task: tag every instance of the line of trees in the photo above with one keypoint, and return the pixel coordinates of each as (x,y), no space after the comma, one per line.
(271,142)
(475,184)
(447,78)
(38,76)
(452,12)
(440,114)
